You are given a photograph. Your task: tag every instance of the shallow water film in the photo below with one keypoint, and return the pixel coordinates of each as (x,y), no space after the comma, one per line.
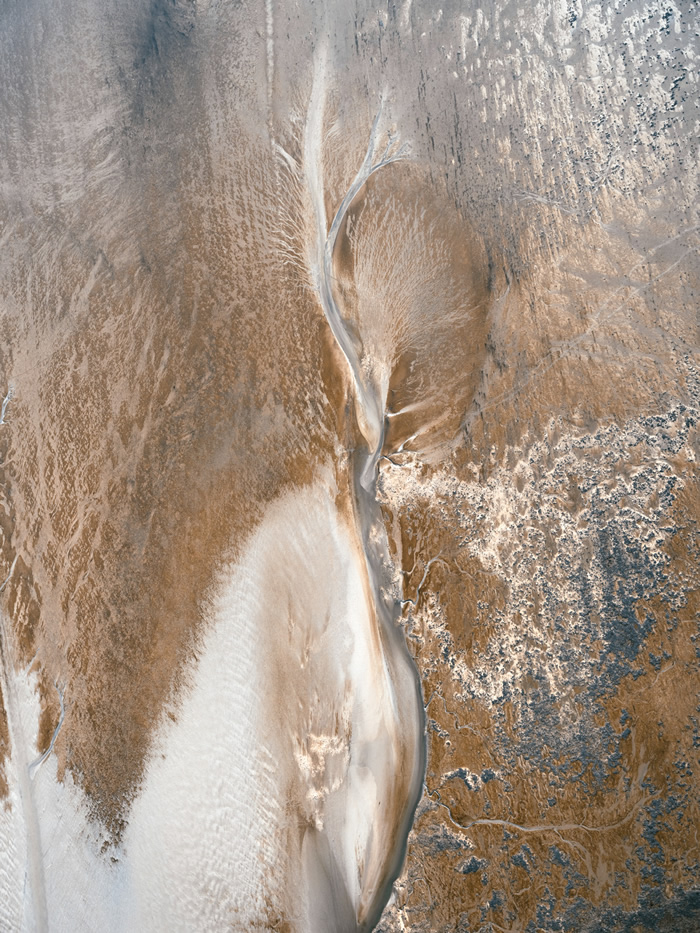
(349,500)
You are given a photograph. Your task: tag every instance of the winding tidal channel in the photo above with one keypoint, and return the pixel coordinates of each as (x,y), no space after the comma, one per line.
(401,773)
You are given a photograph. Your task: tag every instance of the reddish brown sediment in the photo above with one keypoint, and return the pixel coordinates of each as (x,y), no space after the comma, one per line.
(523,288)
(413,281)
(489,793)
(143,445)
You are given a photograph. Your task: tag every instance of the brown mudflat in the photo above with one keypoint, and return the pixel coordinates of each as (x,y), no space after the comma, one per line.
(524,285)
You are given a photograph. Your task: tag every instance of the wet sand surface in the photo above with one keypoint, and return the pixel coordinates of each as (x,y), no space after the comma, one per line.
(348,465)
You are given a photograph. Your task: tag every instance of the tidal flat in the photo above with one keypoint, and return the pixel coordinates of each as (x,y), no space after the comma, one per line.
(349,496)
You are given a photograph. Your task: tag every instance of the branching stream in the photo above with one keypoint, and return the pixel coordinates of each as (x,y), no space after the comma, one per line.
(370,411)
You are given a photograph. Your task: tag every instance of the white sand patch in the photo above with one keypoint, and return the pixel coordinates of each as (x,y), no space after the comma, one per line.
(263,802)
(273,796)
(80,889)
